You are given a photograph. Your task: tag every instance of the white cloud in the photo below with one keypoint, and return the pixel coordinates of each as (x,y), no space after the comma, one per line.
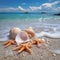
(8,9)
(49,5)
(35,8)
(44,6)
(56,9)
(56,2)
(22,9)
(11,8)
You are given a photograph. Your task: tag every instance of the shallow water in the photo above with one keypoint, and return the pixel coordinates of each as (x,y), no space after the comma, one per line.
(37,21)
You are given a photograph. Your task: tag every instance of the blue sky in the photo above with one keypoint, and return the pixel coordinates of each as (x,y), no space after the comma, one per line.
(29,5)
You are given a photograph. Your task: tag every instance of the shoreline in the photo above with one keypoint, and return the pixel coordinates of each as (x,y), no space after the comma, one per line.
(42,53)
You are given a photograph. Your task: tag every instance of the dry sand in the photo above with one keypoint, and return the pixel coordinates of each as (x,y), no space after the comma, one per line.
(42,53)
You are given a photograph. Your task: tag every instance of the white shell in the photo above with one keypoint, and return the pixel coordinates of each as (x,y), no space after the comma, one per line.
(30,31)
(13,32)
(20,40)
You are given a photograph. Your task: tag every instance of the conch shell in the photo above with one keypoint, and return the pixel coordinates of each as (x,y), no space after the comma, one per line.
(22,37)
(13,32)
(30,32)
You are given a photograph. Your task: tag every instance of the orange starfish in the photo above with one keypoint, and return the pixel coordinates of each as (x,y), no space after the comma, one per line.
(38,41)
(22,47)
(9,42)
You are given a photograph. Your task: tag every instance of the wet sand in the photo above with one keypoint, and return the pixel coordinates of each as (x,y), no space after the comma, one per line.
(42,53)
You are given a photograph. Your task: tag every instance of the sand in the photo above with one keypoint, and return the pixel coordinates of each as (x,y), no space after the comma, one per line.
(45,52)
(42,53)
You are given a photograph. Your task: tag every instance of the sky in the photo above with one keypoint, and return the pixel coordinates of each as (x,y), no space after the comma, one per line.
(29,5)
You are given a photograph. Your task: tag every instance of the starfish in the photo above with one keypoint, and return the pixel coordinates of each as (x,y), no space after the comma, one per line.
(38,41)
(9,42)
(22,47)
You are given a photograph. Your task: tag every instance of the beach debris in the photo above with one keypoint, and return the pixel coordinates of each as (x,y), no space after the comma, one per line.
(23,47)
(41,56)
(38,42)
(54,54)
(55,51)
(30,32)
(14,31)
(23,55)
(9,42)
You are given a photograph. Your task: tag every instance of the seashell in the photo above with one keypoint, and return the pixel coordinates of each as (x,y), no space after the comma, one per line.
(22,37)
(13,32)
(30,31)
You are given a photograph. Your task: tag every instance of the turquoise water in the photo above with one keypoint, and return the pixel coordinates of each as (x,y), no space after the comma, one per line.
(9,20)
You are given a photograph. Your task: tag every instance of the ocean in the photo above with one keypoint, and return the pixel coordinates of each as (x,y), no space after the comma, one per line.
(23,21)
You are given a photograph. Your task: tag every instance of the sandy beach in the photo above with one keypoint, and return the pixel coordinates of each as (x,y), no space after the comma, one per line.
(44,18)
(42,53)
(48,51)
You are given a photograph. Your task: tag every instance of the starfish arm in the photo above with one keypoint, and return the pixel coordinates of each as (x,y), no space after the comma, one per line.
(38,42)
(34,42)
(21,50)
(22,47)
(13,42)
(8,44)
(29,46)
(17,48)
(42,41)
(28,49)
